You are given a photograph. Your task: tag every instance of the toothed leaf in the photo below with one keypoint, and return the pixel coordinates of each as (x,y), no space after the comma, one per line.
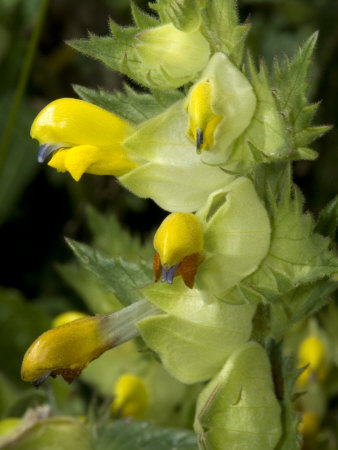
(130,105)
(117,275)
(183,14)
(328,220)
(297,259)
(285,375)
(223,30)
(290,84)
(142,19)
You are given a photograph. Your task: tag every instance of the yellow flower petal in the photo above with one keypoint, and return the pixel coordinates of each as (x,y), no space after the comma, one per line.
(88,158)
(66,317)
(179,235)
(64,350)
(312,353)
(68,349)
(130,397)
(75,122)
(203,121)
(309,425)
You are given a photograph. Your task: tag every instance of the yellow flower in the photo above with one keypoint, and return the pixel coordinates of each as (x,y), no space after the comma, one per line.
(312,354)
(130,397)
(178,243)
(67,317)
(84,137)
(67,349)
(309,425)
(203,121)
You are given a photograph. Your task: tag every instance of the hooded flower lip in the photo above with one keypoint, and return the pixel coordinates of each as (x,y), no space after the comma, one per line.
(179,244)
(312,356)
(67,349)
(83,138)
(220,106)
(64,350)
(203,121)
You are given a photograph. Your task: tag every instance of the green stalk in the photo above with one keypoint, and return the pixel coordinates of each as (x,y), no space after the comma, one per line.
(21,87)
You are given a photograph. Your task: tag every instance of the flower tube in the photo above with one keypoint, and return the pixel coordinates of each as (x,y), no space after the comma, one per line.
(66,350)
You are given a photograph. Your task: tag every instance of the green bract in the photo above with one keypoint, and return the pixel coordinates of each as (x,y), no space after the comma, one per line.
(193,338)
(238,409)
(236,238)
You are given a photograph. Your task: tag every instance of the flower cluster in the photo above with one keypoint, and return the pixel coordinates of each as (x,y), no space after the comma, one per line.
(236,262)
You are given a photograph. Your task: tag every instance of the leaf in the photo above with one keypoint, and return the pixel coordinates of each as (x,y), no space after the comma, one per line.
(130,105)
(290,87)
(117,275)
(7,394)
(112,239)
(98,299)
(328,220)
(20,324)
(142,19)
(119,53)
(298,304)
(126,435)
(222,29)
(183,14)
(285,375)
(297,255)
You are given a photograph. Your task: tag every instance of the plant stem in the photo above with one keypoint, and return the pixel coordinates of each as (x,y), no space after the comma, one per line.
(21,86)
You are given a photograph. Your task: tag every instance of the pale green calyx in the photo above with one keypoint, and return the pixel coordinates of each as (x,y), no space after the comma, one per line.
(236,230)
(238,409)
(173,174)
(193,338)
(180,55)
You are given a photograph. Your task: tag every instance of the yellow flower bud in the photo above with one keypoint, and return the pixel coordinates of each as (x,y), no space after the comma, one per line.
(312,353)
(67,317)
(203,121)
(84,137)
(65,350)
(179,244)
(309,425)
(130,397)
